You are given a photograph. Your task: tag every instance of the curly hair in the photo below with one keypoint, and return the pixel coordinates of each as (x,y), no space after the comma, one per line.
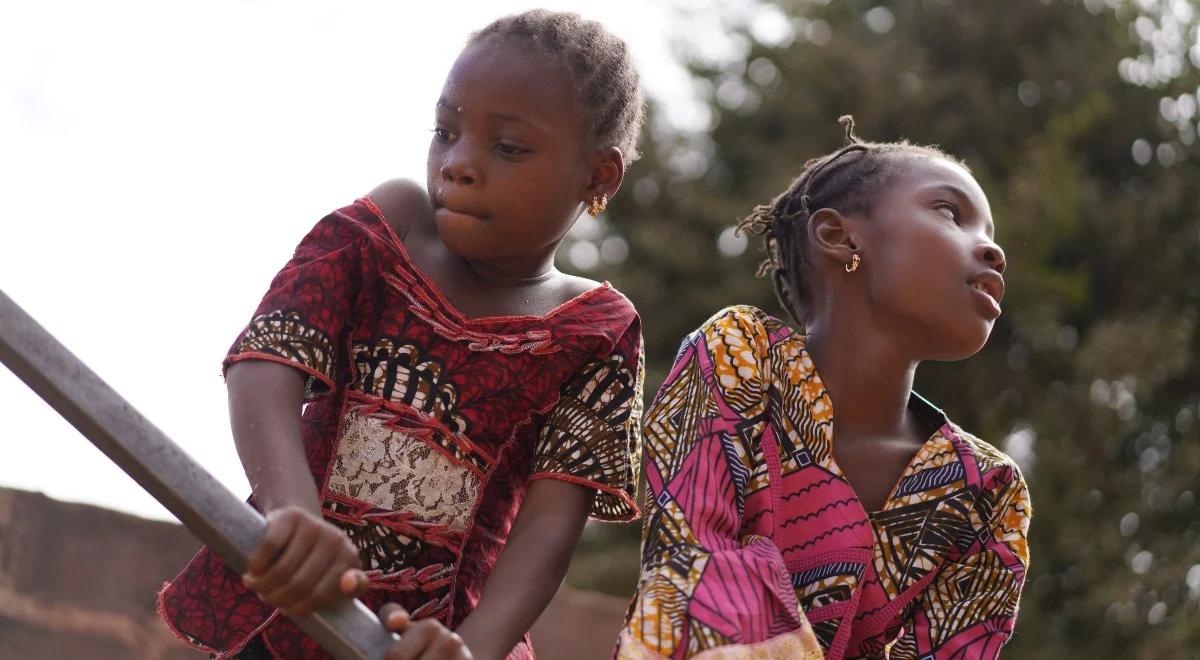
(598,64)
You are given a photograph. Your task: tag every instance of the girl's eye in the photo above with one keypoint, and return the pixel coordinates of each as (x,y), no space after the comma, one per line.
(443,134)
(952,211)
(510,149)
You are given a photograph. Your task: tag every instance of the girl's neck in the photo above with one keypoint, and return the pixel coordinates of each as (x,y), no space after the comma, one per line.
(501,273)
(512,272)
(868,377)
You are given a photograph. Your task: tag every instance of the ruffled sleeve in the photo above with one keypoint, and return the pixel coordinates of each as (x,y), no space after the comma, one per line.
(592,436)
(707,589)
(301,319)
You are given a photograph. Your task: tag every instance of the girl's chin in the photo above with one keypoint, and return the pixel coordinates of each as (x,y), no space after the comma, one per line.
(960,345)
(466,242)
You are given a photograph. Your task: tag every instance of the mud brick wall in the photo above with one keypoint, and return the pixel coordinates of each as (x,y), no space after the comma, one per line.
(78,581)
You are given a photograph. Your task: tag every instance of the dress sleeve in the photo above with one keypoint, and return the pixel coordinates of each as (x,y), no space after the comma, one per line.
(301,319)
(592,436)
(969,610)
(707,589)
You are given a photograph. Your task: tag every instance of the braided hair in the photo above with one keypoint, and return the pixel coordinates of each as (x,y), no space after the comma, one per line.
(847,180)
(598,63)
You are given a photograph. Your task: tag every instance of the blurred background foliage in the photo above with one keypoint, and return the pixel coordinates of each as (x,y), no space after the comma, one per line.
(1079,119)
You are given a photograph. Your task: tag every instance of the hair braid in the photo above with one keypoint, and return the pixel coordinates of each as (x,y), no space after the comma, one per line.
(848,180)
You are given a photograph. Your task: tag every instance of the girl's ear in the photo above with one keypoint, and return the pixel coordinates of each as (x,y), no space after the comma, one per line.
(829,235)
(608,171)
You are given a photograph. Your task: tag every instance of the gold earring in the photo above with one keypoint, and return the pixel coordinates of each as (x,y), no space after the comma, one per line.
(597,205)
(855,262)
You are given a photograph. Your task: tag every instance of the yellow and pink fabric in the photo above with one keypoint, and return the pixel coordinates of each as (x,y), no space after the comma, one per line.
(756,546)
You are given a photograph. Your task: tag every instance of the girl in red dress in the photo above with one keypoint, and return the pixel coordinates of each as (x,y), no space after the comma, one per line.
(468,405)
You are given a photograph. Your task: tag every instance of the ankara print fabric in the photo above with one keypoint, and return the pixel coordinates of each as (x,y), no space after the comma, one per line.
(592,435)
(754,539)
(424,428)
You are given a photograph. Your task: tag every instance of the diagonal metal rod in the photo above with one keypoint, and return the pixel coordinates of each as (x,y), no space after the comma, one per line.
(347,629)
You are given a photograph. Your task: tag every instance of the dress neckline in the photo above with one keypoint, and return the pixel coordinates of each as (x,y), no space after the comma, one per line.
(448,307)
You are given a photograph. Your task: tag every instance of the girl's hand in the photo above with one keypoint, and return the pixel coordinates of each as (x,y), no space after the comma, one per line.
(426,639)
(303,563)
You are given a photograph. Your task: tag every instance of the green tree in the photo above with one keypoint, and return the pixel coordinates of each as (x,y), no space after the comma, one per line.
(1079,120)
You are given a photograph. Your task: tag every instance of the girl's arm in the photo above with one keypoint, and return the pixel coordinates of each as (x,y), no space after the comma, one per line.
(300,561)
(530,569)
(706,585)
(264,415)
(290,350)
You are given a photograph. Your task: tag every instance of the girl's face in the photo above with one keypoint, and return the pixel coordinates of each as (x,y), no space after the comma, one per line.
(930,260)
(508,170)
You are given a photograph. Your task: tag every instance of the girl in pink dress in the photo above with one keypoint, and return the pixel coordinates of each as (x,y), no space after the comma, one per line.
(803,501)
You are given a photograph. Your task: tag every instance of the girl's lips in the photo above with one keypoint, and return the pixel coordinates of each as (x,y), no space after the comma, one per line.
(989,282)
(985,303)
(446,212)
(451,204)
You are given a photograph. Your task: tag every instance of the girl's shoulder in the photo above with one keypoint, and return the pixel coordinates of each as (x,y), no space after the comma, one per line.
(567,289)
(995,472)
(744,328)
(736,347)
(402,204)
(359,223)
(589,307)
(571,286)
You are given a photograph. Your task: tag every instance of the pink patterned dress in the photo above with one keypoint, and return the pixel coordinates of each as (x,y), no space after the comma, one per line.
(756,546)
(424,428)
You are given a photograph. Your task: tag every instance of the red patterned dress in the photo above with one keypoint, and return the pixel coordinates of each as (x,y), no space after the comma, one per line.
(424,428)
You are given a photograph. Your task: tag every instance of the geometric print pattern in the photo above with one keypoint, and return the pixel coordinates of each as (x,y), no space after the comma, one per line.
(285,336)
(591,434)
(746,500)
(399,373)
(424,427)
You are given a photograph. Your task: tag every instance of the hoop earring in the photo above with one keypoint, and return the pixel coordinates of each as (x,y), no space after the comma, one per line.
(597,205)
(855,262)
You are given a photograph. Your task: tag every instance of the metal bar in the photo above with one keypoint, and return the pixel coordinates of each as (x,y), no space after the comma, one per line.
(347,629)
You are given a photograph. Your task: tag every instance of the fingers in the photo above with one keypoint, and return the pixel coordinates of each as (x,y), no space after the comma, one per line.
(329,574)
(447,646)
(413,642)
(305,562)
(282,570)
(312,586)
(394,617)
(427,640)
(280,528)
(353,583)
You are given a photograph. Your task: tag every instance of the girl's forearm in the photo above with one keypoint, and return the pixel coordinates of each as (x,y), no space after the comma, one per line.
(264,415)
(530,569)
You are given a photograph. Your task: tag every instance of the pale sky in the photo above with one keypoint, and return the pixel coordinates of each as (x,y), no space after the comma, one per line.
(159,161)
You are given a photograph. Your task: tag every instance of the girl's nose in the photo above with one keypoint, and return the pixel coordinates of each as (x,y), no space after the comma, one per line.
(456,170)
(991,254)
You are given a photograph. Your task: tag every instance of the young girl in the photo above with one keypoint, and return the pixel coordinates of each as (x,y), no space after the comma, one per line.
(468,404)
(803,500)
